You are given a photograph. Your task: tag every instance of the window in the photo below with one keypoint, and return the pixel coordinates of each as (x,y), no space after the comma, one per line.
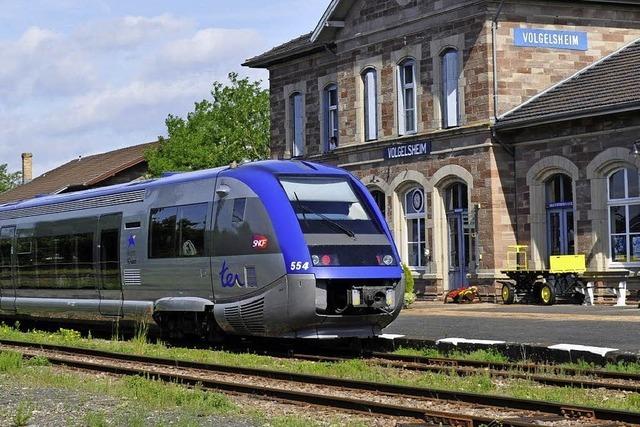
(414,209)
(369,80)
(240,224)
(450,88)
(624,215)
(331,117)
(238,210)
(560,230)
(327,205)
(407,114)
(57,255)
(177,231)
(297,124)
(380,199)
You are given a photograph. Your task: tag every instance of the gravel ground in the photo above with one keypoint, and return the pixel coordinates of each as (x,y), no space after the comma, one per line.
(53,407)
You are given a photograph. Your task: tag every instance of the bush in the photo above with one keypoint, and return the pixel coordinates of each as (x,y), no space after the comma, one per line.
(409,294)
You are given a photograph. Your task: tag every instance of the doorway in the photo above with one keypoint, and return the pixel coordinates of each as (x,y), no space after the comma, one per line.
(459,233)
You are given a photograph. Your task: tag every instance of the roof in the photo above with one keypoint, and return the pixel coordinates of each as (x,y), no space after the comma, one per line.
(610,84)
(270,167)
(83,172)
(300,46)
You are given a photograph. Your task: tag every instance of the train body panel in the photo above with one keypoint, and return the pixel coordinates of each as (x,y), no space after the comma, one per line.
(262,249)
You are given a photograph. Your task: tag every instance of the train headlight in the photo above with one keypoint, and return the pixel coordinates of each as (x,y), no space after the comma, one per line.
(355,297)
(315,259)
(391,297)
(387,260)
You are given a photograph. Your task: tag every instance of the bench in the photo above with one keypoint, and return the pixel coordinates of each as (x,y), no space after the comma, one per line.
(619,290)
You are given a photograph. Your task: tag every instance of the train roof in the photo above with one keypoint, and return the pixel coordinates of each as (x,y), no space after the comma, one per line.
(274,167)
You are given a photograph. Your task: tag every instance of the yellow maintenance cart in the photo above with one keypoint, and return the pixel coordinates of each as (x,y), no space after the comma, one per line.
(561,282)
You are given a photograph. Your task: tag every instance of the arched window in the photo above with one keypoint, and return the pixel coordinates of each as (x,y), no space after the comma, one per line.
(407,113)
(380,199)
(450,76)
(414,209)
(560,230)
(297,124)
(369,80)
(331,117)
(624,215)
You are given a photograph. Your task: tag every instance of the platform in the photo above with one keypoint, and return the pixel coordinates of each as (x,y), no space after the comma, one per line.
(598,326)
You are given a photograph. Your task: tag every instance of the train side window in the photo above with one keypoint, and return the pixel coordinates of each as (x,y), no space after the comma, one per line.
(192,223)
(25,260)
(252,235)
(162,238)
(238,210)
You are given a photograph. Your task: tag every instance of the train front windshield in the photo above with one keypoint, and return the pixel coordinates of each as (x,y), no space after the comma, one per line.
(328,205)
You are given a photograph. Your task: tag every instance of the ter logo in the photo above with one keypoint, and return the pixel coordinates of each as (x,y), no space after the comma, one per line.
(260,242)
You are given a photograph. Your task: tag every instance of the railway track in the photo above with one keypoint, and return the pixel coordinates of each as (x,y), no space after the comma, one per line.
(567,376)
(428,405)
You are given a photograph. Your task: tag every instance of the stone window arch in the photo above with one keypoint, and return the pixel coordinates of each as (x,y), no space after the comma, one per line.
(408,222)
(539,177)
(598,172)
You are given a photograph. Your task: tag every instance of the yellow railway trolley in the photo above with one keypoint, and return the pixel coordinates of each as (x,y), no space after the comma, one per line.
(561,282)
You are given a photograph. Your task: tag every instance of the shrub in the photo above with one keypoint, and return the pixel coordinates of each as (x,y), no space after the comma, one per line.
(409,294)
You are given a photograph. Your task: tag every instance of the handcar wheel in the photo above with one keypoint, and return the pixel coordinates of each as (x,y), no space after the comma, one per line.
(508,294)
(547,295)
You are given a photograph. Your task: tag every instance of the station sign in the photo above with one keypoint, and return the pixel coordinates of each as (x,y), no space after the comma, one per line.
(553,39)
(410,149)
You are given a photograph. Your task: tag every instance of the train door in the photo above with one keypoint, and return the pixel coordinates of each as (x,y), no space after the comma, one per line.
(456,200)
(7,269)
(108,262)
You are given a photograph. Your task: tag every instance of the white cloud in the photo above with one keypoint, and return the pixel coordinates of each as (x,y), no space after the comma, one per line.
(209,45)
(130,31)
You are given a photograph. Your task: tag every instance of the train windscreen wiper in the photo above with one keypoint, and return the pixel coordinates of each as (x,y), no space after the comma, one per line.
(325,218)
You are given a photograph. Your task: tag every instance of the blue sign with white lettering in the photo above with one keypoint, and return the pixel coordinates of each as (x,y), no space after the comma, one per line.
(412,149)
(533,37)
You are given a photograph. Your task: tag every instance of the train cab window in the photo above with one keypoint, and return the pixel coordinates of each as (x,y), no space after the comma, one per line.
(328,205)
(177,231)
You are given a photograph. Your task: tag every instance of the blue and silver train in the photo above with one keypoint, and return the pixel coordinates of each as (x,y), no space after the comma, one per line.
(271,248)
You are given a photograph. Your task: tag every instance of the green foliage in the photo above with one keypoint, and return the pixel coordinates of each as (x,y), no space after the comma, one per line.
(409,292)
(8,180)
(408,279)
(232,126)
(23,414)
(10,361)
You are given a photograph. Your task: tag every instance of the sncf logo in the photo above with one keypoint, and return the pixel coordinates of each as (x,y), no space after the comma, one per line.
(259,241)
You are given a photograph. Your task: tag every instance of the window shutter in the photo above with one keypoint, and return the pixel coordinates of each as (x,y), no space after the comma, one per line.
(400,89)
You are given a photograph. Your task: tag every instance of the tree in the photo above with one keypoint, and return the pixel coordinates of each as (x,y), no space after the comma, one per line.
(232,126)
(8,180)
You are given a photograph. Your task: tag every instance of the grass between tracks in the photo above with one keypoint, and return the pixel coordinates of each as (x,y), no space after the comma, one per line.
(138,401)
(352,369)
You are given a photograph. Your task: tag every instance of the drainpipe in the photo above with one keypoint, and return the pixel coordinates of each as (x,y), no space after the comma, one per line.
(494,136)
(494,37)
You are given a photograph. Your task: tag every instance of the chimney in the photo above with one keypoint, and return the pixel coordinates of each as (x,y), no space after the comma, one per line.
(27,167)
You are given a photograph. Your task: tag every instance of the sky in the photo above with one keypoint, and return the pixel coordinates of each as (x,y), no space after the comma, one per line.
(80,77)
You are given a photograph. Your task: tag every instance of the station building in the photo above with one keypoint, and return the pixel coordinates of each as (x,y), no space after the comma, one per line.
(475,124)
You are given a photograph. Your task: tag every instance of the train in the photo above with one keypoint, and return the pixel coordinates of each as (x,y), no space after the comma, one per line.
(274,248)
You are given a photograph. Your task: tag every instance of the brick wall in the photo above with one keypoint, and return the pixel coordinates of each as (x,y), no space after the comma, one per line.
(525,71)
